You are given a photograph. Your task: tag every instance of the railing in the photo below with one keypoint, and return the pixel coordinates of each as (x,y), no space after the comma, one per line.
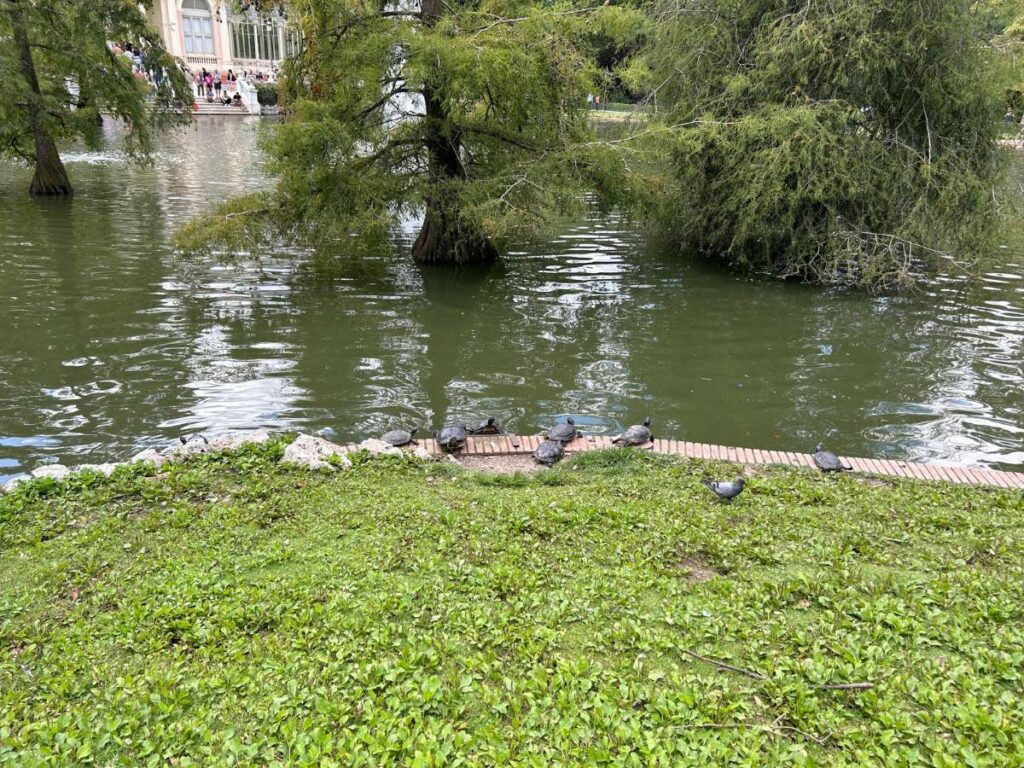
(250,98)
(202,59)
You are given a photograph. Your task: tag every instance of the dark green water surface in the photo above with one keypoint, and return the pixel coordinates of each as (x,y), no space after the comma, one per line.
(110,342)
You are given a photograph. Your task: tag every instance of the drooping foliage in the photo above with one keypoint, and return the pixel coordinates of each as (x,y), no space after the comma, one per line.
(59,73)
(849,141)
(470,114)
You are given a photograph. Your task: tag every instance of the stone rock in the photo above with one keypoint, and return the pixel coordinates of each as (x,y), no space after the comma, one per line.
(423,454)
(104,469)
(193,447)
(238,440)
(57,472)
(451,459)
(314,452)
(149,455)
(379,448)
(14,482)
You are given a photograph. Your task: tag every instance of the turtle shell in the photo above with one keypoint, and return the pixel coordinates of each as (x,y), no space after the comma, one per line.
(563,433)
(452,438)
(398,437)
(549,452)
(638,434)
(488,427)
(827,461)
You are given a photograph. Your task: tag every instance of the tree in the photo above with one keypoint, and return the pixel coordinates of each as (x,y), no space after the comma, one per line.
(469,113)
(60,73)
(848,142)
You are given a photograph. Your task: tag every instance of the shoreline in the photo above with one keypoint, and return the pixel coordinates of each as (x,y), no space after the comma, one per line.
(318,453)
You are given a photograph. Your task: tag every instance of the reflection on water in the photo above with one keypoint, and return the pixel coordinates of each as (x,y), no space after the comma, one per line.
(111,342)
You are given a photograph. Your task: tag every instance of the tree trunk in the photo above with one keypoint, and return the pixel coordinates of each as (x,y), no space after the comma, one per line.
(446,237)
(50,177)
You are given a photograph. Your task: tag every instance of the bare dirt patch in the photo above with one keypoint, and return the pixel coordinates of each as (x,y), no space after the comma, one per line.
(696,569)
(500,464)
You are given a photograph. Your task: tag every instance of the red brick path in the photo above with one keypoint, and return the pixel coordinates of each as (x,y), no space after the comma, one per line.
(518,444)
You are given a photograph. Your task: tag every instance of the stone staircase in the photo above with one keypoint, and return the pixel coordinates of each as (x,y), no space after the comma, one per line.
(209,110)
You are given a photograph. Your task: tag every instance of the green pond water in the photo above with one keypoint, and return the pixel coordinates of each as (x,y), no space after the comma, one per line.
(112,342)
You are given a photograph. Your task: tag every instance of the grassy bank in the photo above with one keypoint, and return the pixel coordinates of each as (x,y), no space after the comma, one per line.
(610,612)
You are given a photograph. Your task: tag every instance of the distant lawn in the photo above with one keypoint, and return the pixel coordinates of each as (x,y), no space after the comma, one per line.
(231,612)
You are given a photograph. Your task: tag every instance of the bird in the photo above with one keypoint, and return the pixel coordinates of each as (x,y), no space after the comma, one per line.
(827,461)
(726,491)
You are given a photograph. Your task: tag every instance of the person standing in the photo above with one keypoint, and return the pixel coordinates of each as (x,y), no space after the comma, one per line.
(197,78)
(217,84)
(208,81)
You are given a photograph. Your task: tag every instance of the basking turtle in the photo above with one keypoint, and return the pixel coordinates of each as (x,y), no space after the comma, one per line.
(827,461)
(487,427)
(399,437)
(564,433)
(724,490)
(451,439)
(549,452)
(636,435)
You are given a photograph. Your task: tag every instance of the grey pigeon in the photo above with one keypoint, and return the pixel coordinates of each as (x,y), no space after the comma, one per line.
(726,491)
(827,461)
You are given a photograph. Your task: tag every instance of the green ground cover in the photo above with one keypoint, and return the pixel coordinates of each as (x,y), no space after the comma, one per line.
(229,612)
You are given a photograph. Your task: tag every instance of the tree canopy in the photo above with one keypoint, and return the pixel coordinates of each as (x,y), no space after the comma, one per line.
(838,142)
(471,114)
(60,73)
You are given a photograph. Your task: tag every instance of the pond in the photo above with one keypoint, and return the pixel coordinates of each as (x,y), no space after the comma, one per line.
(111,342)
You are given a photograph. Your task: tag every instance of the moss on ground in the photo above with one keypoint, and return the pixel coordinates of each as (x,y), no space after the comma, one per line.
(229,611)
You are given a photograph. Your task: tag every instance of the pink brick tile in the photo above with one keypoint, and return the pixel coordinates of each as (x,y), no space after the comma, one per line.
(858,464)
(960,475)
(879,467)
(899,468)
(805,460)
(996,478)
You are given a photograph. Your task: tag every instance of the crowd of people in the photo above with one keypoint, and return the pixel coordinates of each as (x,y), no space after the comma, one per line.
(137,57)
(223,88)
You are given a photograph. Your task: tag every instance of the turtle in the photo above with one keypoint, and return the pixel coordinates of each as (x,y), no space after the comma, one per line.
(726,491)
(565,432)
(487,427)
(400,437)
(636,435)
(549,452)
(827,461)
(451,439)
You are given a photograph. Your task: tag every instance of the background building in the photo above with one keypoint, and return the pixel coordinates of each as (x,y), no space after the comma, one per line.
(210,34)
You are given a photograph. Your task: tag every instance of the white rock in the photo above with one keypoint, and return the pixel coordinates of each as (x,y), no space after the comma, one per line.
(451,459)
(239,439)
(57,472)
(104,469)
(149,455)
(14,482)
(423,454)
(379,448)
(313,452)
(193,447)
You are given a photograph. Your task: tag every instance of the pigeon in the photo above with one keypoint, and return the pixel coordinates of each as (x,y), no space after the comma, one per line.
(724,490)
(827,461)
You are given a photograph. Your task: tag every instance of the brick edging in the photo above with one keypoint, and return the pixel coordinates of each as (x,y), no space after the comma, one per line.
(512,445)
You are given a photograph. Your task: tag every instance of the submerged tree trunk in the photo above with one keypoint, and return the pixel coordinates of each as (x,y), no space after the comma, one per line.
(446,237)
(50,177)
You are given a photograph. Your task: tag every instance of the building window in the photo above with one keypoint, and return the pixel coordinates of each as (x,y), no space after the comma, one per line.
(261,37)
(197,26)
(292,43)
